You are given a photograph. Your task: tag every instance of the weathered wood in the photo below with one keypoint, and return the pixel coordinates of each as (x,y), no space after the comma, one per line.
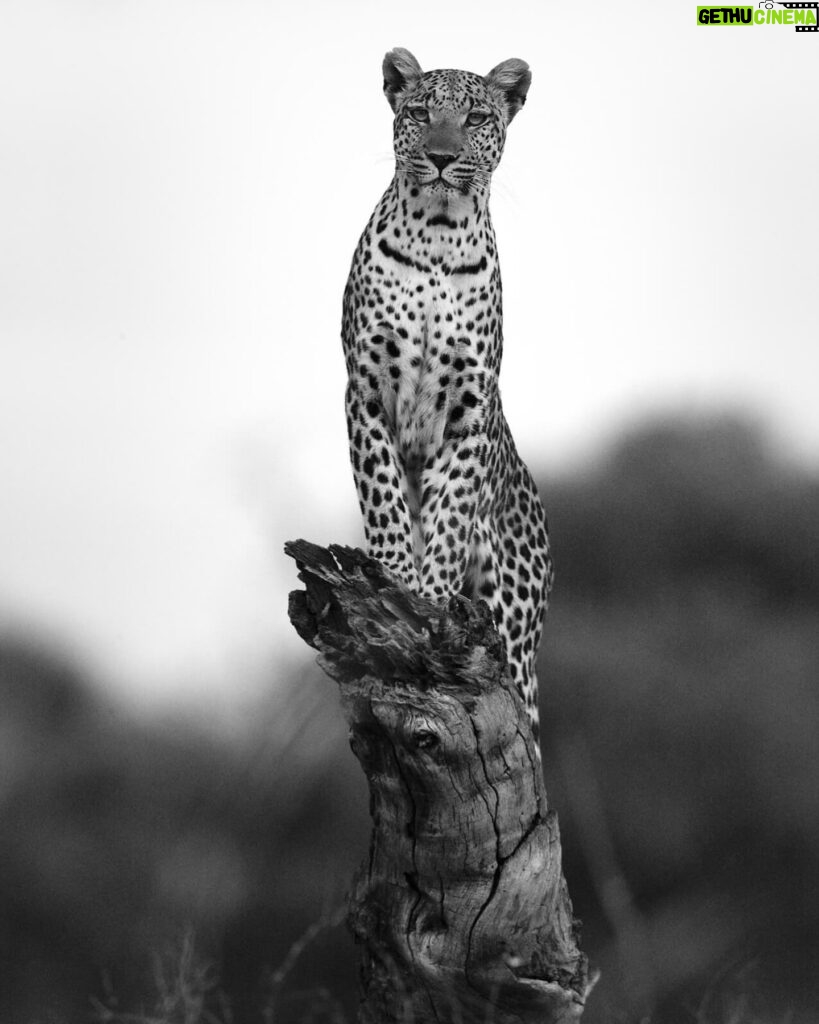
(461,910)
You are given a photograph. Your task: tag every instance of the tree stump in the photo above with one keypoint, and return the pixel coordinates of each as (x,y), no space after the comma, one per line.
(461,911)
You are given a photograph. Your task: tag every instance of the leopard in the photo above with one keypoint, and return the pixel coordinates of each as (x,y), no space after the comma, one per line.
(449,507)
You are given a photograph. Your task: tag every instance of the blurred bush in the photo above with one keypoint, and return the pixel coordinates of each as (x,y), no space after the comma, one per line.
(681,745)
(119,836)
(681,716)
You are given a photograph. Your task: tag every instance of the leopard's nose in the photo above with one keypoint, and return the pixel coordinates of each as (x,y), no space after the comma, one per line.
(441,160)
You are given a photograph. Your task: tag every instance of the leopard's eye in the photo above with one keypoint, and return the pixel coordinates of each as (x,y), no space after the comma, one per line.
(476,118)
(419,114)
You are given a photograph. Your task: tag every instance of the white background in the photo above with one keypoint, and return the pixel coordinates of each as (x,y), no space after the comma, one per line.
(181,187)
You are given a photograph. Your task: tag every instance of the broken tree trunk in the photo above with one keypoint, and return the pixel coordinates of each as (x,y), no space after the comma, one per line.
(461,911)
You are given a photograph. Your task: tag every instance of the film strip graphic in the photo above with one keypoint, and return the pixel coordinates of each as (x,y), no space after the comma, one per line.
(802,7)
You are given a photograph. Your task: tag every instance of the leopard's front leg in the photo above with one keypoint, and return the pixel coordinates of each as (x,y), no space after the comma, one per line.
(452,482)
(381,484)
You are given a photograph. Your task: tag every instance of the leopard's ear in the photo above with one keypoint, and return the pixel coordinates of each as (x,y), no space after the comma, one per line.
(511,79)
(401,74)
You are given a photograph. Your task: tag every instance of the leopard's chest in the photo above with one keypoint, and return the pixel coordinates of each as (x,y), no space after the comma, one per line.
(429,342)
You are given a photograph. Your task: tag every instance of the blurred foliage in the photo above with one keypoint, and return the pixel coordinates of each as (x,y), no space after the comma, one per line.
(681,745)
(681,717)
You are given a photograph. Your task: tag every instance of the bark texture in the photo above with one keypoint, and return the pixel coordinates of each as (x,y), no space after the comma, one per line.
(461,911)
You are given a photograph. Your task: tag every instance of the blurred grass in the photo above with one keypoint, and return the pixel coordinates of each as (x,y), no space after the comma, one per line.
(681,747)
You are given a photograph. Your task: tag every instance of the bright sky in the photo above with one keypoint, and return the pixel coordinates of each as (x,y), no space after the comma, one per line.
(182,184)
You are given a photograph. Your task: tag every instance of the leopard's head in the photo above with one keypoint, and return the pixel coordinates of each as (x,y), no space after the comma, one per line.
(450,126)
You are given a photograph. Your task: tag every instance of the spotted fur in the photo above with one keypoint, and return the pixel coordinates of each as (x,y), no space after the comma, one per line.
(448,505)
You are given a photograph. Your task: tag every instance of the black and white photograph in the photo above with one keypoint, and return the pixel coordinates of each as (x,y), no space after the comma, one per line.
(409,512)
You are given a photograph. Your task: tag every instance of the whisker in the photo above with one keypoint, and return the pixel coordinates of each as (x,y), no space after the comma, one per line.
(502,187)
